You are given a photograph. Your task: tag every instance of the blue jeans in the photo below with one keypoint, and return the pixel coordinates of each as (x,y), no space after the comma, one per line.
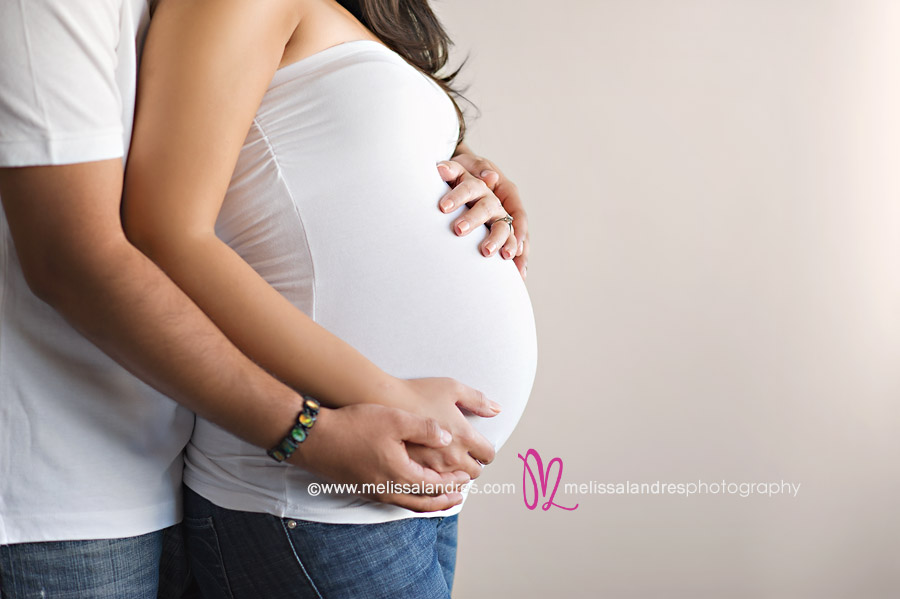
(237,555)
(100,569)
(150,566)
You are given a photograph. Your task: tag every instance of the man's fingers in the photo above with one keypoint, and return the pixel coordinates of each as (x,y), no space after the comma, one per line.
(452,481)
(418,471)
(475,401)
(424,431)
(440,480)
(460,478)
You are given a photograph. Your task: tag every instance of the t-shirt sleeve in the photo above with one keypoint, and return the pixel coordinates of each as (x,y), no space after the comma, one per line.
(59,99)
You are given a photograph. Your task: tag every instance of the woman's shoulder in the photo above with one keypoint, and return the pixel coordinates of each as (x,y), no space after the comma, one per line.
(278,17)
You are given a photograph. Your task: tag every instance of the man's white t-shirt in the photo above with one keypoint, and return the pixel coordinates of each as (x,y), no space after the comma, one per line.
(87,451)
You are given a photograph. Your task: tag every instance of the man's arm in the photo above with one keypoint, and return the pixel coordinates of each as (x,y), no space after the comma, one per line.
(67,231)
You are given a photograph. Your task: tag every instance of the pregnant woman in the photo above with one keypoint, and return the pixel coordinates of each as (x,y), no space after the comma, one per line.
(283,172)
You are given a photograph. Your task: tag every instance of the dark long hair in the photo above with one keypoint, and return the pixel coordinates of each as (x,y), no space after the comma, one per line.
(411,29)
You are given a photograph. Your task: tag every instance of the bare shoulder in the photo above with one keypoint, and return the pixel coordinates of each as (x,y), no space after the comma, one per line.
(322,24)
(275,17)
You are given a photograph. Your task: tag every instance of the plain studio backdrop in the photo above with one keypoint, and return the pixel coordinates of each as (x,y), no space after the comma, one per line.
(714,201)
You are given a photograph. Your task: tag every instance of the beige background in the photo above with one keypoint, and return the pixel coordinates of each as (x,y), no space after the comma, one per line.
(715,207)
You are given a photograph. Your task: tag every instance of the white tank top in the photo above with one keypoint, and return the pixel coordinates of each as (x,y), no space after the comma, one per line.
(334,202)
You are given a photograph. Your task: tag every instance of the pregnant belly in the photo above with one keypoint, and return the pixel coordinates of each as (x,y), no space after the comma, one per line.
(417,300)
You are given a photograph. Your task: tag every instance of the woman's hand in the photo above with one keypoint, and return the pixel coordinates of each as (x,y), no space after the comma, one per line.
(485,208)
(504,190)
(443,400)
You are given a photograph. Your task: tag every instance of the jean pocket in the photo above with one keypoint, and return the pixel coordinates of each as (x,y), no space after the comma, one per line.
(205,555)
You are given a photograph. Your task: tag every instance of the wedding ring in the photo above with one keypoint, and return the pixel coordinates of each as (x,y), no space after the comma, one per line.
(507,219)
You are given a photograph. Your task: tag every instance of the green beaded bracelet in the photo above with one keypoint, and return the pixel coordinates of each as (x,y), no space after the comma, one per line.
(298,434)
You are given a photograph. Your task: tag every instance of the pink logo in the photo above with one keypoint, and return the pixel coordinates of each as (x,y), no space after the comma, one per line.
(544,476)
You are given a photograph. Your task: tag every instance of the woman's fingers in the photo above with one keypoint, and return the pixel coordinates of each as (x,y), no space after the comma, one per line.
(486,209)
(480,450)
(424,503)
(520,227)
(504,189)
(499,237)
(482,167)
(476,402)
(509,196)
(451,172)
(471,467)
(467,190)
(522,265)
(508,249)
(523,241)
(490,178)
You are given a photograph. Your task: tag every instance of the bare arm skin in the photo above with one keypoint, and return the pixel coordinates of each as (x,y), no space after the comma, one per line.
(65,225)
(205,68)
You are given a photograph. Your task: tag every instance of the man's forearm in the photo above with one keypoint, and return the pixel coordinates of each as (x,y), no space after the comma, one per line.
(123,303)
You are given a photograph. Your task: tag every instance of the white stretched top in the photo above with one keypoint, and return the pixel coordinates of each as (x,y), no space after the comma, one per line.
(334,202)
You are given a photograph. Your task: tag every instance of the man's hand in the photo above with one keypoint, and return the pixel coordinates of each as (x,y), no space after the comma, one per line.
(508,194)
(367,443)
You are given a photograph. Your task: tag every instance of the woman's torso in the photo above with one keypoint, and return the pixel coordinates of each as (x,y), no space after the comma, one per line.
(334,202)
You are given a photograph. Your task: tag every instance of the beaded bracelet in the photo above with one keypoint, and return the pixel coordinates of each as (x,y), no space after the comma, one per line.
(299,433)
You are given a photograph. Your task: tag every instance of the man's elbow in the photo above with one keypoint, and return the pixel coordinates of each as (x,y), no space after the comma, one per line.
(62,276)
(41,280)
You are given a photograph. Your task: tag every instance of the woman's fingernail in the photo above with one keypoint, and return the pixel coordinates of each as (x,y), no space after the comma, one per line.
(446,437)
(504,254)
(489,249)
(462,227)
(485,173)
(446,205)
(495,406)
(521,247)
